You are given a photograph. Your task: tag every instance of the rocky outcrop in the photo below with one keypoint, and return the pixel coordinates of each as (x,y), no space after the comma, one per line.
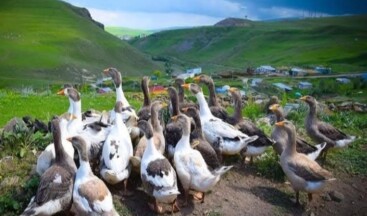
(83,12)
(238,22)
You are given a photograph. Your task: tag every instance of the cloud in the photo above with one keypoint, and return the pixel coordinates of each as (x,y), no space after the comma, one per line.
(143,20)
(222,8)
(282,12)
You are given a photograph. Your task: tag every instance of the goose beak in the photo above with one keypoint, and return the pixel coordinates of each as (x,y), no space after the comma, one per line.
(273,107)
(197,78)
(280,124)
(186,86)
(164,105)
(232,89)
(184,109)
(69,139)
(73,117)
(174,118)
(105,71)
(61,92)
(303,98)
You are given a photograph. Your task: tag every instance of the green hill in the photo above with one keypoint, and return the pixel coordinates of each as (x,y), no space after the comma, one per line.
(46,41)
(121,31)
(338,42)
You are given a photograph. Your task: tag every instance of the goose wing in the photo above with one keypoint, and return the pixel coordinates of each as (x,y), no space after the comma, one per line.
(309,170)
(224,129)
(55,183)
(330,131)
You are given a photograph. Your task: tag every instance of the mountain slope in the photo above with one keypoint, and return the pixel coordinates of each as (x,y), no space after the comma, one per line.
(44,41)
(339,42)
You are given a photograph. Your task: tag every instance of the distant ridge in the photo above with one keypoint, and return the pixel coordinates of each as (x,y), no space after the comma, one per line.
(234,22)
(338,42)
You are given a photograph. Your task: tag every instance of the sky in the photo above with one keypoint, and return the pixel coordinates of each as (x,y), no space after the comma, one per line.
(162,14)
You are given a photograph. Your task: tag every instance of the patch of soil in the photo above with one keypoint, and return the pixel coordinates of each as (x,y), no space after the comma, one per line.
(242,192)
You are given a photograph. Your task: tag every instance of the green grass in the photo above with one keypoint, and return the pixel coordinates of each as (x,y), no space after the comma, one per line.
(338,42)
(47,41)
(121,31)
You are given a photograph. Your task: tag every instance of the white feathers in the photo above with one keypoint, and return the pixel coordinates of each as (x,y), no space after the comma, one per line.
(344,142)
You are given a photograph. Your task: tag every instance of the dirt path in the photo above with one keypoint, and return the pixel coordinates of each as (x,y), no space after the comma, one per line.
(242,192)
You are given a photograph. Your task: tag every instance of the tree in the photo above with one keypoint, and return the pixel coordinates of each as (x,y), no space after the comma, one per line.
(157,73)
(168,68)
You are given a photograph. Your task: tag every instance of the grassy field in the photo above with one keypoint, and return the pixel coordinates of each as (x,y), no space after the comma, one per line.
(46,41)
(336,42)
(121,31)
(21,185)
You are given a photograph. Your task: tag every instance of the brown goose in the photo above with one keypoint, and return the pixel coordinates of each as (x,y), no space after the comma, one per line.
(303,173)
(54,193)
(158,137)
(90,194)
(144,112)
(197,139)
(247,127)
(280,137)
(214,106)
(181,95)
(324,132)
(172,132)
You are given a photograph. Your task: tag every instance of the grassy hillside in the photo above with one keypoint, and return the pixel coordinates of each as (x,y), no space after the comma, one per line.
(120,31)
(44,41)
(339,42)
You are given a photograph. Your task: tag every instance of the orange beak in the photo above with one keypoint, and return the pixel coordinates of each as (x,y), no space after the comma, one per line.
(185,109)
(73,117)
(280,124)
(174,118)
(61,92)
(232,89)
(186,86)
(274,107)
(197,78)
(105,71)
(303,98)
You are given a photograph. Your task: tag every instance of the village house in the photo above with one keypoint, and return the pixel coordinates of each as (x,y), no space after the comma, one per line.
(265,69)
(304,85)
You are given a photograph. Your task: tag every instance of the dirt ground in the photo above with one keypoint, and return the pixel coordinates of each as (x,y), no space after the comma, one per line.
(242,192)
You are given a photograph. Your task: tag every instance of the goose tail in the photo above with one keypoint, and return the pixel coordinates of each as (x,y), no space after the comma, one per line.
(315,154)
(220,171)
(344,142)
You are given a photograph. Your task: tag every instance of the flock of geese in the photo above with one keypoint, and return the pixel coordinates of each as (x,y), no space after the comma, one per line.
(88,152)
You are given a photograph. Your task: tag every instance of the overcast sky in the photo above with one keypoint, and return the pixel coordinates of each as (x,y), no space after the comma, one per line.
(158,14)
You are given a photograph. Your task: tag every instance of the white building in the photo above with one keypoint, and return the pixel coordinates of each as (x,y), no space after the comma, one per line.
(255,82)
(265,69)
(304,85)
(343,80)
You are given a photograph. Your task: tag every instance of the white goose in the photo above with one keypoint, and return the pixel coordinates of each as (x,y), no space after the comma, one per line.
(116,152)
(221,135)
(190,166)
(47,157)
(54,193)
(90,194)
(75,124)
(127,110)
(158,176)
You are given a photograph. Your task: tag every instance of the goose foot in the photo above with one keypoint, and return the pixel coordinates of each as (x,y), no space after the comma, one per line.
(175,207)
(199,196)
(156,208)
